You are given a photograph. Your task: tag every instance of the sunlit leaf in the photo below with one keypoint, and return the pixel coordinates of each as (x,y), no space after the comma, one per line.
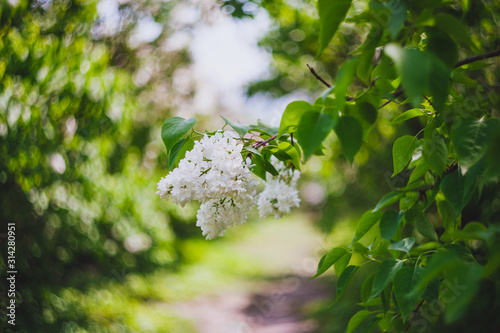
(403,245)
(367,221)
(286,151)
(342,263)
(178,152)
(331,14)
(408,115)
(435,154)
(470,138)
(240,128)
(174,129)
(345,77)
(329,259)
(388,199)
(402,151)
(357,319)
(291,116)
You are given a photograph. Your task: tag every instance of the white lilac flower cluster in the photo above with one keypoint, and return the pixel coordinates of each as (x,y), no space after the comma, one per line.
(280,192)
(213,173)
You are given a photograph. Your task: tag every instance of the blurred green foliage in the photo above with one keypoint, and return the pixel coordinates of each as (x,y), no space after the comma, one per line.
(79,158)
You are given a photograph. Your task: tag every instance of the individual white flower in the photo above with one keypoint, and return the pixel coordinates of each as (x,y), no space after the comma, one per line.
(280,193)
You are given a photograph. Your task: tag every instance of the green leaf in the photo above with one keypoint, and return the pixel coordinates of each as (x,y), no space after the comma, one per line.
(178,152)
(386,298)
(331,14)
(342,263)
(431,74)
(403,245)
(443,260)
(448,214)
(431,293)
(291,116)
(368,325)
(420,169)
(359,248)
(329,259)
(356,320)
(313,128)
(470,138)
(388,199)
(408,115)
(385,323)
(385,275)
(367,221)
(240,128)
(345,77)
(415,79)
(252,150)
(174,129)
(269,167)
(264,128)
(435,154)
(402,152)
(286,151)
(365,64)
(453,27)
(442,46)
(344,279)
(452,187)
(389,223)
(350,134)
(398,17)
(438,81)
(425,227)
(367,112)
(366,288)
(404,282)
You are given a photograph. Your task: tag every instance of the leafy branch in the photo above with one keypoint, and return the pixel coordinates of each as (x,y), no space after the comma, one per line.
(399,92)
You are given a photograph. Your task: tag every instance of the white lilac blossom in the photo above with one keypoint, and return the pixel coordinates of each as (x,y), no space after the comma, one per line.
(280,192)
(213,173)
(215,215)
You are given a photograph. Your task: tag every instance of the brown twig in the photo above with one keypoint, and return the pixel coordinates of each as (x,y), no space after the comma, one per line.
(477,58)
(413,316)
(262,143)
(319,78)
(428,100)
(396,94)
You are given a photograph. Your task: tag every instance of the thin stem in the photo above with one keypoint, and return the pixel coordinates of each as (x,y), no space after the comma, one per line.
(396,94)
(477,58)
(428,100)
(319,78)
(262,143)
(413,316)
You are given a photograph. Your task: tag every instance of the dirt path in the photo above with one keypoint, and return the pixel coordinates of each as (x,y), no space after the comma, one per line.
(275,307)
(288,251)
